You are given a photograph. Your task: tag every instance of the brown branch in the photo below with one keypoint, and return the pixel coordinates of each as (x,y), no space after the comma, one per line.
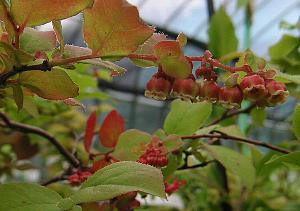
(203,164)
(229,114)
(224,136)
(38,131)
(55,179)
(43,67)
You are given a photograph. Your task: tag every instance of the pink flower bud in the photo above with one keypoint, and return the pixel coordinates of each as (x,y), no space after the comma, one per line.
(253,87)
(209,90)
(158,88)
(185,89)
(231,97)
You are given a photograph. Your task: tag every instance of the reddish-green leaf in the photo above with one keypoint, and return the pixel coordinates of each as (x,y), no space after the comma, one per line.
(33,40)
(172,60)
(53,85)
(113,28)
(38,12)
(112,127)
(89,131)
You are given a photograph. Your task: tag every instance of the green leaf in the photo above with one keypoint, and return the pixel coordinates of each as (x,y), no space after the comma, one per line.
(29,197)
(286,45)
(37,12)
(222,38)
(292,159)
(186,117)
(258,116)
(131,145)
(234,162)
(286,78)
(18,96)
(296,122)
(172,142)
(51,85)
(233,130)
(120,178)
(113,28)
(33,40)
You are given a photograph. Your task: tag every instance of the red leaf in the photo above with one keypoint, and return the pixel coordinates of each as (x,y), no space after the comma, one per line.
(89,131)
(100,164)
(112,127)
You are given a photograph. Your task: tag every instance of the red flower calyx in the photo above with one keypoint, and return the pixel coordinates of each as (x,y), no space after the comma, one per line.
(277,92)
(253,87)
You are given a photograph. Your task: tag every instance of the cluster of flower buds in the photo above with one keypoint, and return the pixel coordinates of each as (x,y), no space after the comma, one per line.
(155,154)
(174,186)
(258,87)
(263,91)
(79,177)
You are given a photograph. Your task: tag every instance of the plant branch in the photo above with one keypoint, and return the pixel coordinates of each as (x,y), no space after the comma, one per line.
(43,67)
(229,114)
(224,136)
(203,164)
(55,179)
(38,131)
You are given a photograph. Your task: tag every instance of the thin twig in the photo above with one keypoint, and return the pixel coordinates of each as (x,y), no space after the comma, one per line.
(229,114)
(224,136)
(54,179)
(38,131)
(203,164)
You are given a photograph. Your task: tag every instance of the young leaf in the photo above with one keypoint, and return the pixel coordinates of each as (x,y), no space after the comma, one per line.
(33,40)
(29,197)
(235,162)
(111,128)
(222,38)
(89,131)
(172,60)
(148,48)
(182,39)
(59,34)
(52,85)
(113,28)
(38,12)
(75,51)
(296,122)
(74,102)
(120,178)
(186,117)
(131,145)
